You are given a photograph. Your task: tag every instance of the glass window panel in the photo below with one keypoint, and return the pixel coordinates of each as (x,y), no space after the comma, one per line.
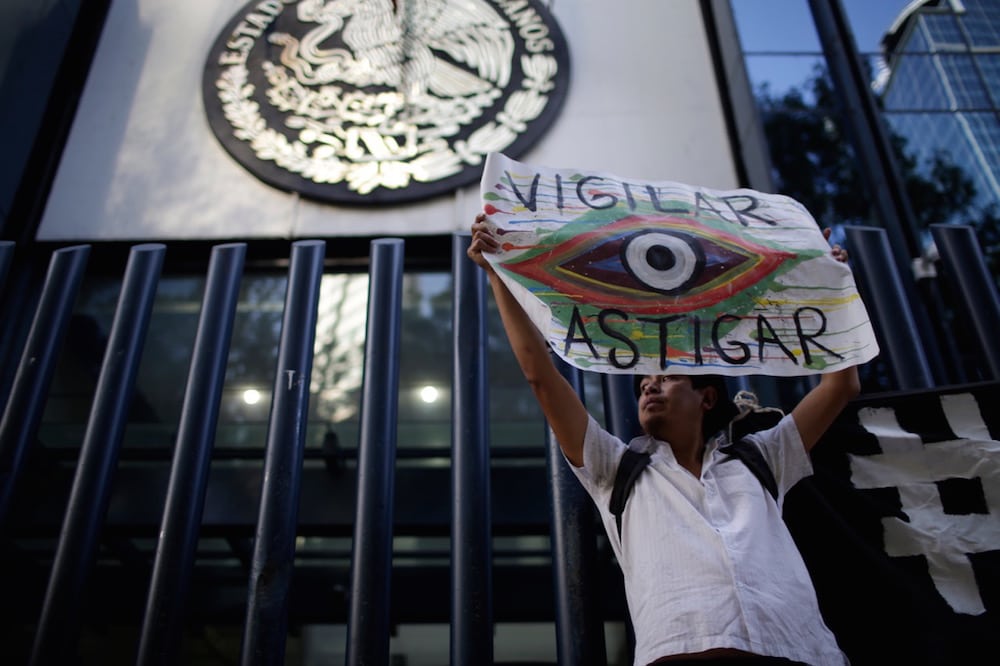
(335,390)
(778,75)
(339,350)
(916,41)
(253,354)
(964,82)
(158,393)
(982,21)
(870,21)
(969,141)
(915,83)
(943,31)
(989,66)
(515,418)
(984,132)
(812,160)
(775,26)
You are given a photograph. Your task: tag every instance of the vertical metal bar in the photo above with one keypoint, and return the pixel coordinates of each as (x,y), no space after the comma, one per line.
(579,621)
(274,542)
(880,285)
(621,416)
(88,500)
(6,259)
(876,160)
(21,294)
(871,142)
(7,310)
(23,411)
(371,551)
(471,551)
(963,260)
(621,409)
(192,458)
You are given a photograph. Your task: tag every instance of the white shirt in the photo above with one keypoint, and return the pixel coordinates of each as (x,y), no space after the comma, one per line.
(708,562)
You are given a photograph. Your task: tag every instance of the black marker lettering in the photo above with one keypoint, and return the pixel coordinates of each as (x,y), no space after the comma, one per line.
(530,203)
(696,336)
(805,339)
(577,321)
(618,335)
(654,198)
(662,323)
(718,345)
(628,196)
(745,212)
(579,193)
(701,201)
(773,339)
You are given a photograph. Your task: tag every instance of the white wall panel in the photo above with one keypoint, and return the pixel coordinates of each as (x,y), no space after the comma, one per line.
(142,163)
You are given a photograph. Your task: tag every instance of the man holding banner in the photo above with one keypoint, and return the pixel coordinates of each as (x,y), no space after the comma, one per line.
(710,569)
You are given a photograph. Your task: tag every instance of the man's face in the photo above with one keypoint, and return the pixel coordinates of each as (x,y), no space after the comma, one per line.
(670,399)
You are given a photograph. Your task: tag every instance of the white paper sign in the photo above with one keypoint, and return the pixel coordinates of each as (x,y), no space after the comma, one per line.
(631,276)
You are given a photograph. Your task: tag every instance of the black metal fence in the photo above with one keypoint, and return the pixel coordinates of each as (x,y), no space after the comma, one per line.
(166,593)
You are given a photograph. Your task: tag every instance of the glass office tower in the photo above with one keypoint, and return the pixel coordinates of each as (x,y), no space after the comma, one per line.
(941,89)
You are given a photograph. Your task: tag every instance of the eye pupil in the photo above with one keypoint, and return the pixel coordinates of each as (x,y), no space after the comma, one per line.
(661,258)
(666,261)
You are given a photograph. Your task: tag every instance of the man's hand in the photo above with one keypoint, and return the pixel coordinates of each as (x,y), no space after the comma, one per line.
(482,241)
(839,253)
(820,407)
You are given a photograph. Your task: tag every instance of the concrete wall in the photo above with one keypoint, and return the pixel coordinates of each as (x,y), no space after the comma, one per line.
(141,162)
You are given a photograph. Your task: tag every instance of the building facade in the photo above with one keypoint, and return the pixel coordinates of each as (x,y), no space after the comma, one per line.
(942,86)
(116,146)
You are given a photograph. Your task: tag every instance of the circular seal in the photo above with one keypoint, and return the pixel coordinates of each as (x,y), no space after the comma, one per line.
(382,101)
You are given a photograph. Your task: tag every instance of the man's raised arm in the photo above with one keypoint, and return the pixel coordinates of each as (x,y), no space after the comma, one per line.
(817,411)
(559,402)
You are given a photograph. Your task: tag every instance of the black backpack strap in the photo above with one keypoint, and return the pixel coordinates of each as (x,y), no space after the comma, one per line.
(629,467)
(751,456)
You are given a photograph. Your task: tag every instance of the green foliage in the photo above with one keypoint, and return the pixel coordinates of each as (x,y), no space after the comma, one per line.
(814,163)
(811,158)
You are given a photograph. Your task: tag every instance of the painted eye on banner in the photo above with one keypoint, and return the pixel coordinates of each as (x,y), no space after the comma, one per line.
(666,262)
(650,265)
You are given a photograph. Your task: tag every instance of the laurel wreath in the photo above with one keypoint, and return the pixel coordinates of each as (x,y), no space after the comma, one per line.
(524,105)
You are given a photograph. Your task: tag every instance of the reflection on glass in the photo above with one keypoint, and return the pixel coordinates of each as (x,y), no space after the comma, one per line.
(337,375)
(778,75)
(940,96)
(770,26)
(338,356)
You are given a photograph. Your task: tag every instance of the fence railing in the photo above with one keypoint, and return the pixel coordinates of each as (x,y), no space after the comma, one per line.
(577,608)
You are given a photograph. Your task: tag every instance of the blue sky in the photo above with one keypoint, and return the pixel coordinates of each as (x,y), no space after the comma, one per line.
(786,26)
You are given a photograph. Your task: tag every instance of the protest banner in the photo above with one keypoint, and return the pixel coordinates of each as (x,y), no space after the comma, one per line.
(631,276)
(900,527)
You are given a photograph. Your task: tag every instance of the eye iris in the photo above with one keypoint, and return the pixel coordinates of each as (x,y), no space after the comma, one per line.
(661,258)
(664,261)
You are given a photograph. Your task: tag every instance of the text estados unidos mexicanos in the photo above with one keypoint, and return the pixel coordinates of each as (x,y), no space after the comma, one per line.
(809,324)
(250,29)
(523,18)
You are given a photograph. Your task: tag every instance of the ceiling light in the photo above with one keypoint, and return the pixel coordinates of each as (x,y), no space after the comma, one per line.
(428,394)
